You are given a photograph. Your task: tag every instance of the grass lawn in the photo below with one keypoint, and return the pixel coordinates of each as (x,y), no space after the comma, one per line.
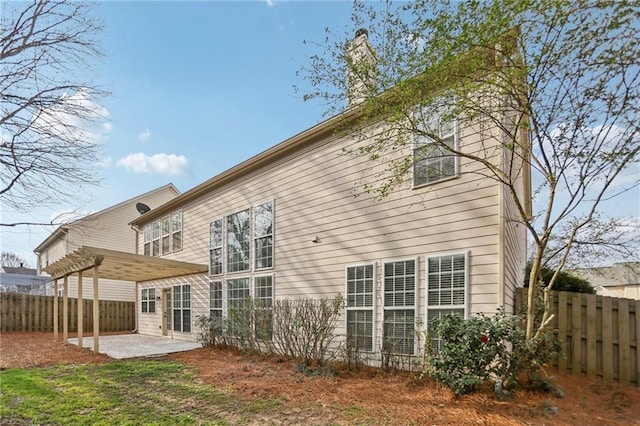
(125,392)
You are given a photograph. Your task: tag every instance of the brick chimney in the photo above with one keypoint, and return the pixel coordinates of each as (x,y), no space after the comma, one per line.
(361,69)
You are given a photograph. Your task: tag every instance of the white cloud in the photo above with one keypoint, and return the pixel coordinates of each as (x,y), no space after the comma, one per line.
(165,164)
(62,120)
(144,135)
(271,3)
(104,162)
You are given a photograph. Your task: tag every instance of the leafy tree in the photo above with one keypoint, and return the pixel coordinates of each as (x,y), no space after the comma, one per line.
(553,87)
(564,280)
(49,139)
(13,260)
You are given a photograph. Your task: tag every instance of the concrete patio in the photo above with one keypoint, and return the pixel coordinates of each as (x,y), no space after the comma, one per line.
(122,346)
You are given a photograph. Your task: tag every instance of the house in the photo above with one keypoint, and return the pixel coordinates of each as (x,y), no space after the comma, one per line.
(619,280)
(108,228)
(22,280)
(290,223)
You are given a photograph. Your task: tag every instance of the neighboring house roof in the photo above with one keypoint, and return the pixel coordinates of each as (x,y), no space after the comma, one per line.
(62,229)
(11,278)
(619,274)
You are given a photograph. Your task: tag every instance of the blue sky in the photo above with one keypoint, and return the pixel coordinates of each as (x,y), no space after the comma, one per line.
(197,88)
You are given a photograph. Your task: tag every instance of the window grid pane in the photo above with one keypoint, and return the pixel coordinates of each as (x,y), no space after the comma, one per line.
(238,292)
(238,241)
(432,162)
(182,308)
(263,295)
(263,234)
(360,330)
(399,306)
(399,331)
(360,287)
(446,280)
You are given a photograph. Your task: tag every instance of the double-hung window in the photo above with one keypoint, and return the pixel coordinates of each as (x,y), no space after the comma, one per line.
(446,288)
(148,300)
(433,160)
(263,235)
(215,299)
(238,241)
(215,250)
(360,301)
(399,306)
(182,308)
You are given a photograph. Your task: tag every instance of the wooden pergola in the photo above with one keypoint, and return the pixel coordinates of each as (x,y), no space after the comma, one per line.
(107,264)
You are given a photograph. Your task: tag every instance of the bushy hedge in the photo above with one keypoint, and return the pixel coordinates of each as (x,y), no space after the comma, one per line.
(303,329)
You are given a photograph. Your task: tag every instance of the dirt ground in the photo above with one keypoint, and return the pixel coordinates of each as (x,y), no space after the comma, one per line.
(392,398)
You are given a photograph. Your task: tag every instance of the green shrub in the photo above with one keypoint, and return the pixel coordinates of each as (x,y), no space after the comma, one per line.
(474,350)
(564,282)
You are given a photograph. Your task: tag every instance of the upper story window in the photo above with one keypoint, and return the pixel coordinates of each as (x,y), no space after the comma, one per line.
(263,234)
(164,236)
(215,247)
(242,241)
(433,162)
(238,241)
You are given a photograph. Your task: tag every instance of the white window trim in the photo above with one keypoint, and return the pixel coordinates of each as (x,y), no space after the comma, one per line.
(456,159)
(465,306)
(374,316)
(416,295)
(172,231)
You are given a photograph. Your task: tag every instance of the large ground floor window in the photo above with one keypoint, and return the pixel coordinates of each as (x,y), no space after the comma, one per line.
(246,303)
(446,289)
(182,308)
(360,303)
(445,284)
(399,284)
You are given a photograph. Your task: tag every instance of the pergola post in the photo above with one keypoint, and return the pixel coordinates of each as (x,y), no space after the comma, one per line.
(55,309)
(65,309)
(96,312)
(80,311)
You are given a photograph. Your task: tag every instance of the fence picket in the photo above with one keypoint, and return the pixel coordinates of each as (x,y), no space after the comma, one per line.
(32,313)
(600,336)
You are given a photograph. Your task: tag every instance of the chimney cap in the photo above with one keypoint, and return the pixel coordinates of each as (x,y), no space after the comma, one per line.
(362,31)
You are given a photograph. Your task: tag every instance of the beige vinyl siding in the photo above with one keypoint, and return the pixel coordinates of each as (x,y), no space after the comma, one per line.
(108,228)
(151,323)
(314,192)
(107,289)
(56,250)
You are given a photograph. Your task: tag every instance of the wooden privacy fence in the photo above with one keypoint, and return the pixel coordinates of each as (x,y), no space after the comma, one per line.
(26,312)
(600,335)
